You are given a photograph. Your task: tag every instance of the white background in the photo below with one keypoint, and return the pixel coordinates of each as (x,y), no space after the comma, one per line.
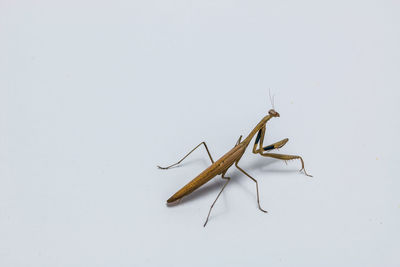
(95,94)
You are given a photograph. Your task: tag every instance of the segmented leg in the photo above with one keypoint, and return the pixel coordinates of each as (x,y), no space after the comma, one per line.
(259,140)
(258,195)
(276,145)
(209,212)
(286,157)
(202,143)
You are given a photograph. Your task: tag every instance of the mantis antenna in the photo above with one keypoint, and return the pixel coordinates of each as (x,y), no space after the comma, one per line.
(271,99)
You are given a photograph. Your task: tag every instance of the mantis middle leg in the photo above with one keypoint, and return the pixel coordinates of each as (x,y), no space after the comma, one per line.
(248,175)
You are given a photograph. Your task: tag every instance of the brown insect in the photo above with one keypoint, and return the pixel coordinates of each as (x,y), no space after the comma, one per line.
(232,157)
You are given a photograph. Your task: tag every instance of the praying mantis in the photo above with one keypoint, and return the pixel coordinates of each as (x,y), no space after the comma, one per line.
(233,156)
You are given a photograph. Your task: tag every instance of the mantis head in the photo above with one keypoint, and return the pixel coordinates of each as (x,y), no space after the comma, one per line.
(273,113)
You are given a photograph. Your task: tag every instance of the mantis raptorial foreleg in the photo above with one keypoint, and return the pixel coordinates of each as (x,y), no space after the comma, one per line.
(222,189)
(286,157)
(275,145)
(202,143)
(248,175)
(260,140)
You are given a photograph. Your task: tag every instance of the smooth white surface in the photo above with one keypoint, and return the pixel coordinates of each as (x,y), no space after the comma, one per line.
(93,95)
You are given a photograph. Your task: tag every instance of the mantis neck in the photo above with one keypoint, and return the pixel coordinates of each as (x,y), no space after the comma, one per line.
(247,140)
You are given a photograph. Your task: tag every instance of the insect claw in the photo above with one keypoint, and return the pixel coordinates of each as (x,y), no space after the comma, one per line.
(163,168)
(304,170)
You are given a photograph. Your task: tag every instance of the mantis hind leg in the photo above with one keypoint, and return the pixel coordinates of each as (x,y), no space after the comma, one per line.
(287,157)
(222,189)
(202,143)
